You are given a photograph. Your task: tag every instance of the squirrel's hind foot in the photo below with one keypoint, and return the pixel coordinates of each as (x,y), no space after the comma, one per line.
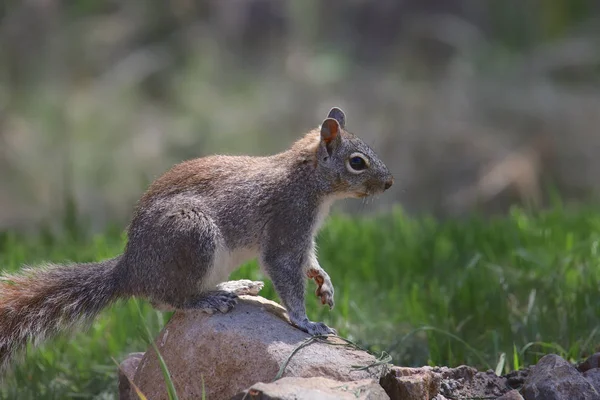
(211,302)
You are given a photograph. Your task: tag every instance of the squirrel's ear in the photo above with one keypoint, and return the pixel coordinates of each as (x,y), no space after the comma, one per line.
(330,133)
(337,114)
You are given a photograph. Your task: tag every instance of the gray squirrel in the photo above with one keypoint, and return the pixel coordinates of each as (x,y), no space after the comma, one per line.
(195,225)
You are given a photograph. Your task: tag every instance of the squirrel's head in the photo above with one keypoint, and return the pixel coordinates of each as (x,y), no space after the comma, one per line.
(353,168)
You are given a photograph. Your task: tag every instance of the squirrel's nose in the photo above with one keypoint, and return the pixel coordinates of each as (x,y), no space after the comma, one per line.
(388,184)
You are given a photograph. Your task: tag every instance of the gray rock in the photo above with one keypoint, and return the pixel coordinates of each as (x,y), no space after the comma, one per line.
(127,370)
(516,379)
(591,362)
(593,377)
(553,378)
(314,389)
(233,351)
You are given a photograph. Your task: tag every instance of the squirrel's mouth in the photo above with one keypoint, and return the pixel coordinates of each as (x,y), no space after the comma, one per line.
(369,191)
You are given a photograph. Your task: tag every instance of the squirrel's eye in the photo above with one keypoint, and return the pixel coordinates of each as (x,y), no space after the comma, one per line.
(358,163)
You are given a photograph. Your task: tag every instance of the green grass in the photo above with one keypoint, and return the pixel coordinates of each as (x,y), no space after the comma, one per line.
(489,293)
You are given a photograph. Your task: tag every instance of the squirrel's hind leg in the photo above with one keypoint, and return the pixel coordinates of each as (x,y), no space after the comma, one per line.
(183,260)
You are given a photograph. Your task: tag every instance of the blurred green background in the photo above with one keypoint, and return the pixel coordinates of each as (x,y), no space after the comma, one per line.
(485,251)
(472,103)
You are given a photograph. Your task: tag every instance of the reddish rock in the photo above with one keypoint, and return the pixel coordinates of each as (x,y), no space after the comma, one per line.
(233,351)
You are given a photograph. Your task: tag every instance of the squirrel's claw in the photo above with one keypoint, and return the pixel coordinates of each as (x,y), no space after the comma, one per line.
(326,295)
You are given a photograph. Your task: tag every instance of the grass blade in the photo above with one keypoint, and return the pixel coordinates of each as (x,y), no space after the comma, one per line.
(171,392)
(500,365)
(137,390)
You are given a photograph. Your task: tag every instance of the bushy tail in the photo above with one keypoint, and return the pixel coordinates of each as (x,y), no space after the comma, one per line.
(40,302)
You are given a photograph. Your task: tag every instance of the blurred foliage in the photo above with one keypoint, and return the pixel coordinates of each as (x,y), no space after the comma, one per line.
(98,98)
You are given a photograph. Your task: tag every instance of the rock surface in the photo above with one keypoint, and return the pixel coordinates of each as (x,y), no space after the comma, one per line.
(553,378)
(314,389)
(227,354)
(591,362)
(233,351)
(126,374)
(467,382)
(427,383)
(516,379)
(593,377)
(512,395)
(411,383)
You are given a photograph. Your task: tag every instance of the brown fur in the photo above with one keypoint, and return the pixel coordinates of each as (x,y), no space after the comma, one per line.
(208,171)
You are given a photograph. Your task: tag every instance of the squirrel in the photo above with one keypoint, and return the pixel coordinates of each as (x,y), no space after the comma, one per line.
(198,223)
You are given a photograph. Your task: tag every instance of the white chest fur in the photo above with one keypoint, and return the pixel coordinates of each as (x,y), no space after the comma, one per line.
(224,263)
(323,212)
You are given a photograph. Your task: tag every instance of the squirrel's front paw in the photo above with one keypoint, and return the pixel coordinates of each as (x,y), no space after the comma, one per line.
(313,328)
(324,286)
